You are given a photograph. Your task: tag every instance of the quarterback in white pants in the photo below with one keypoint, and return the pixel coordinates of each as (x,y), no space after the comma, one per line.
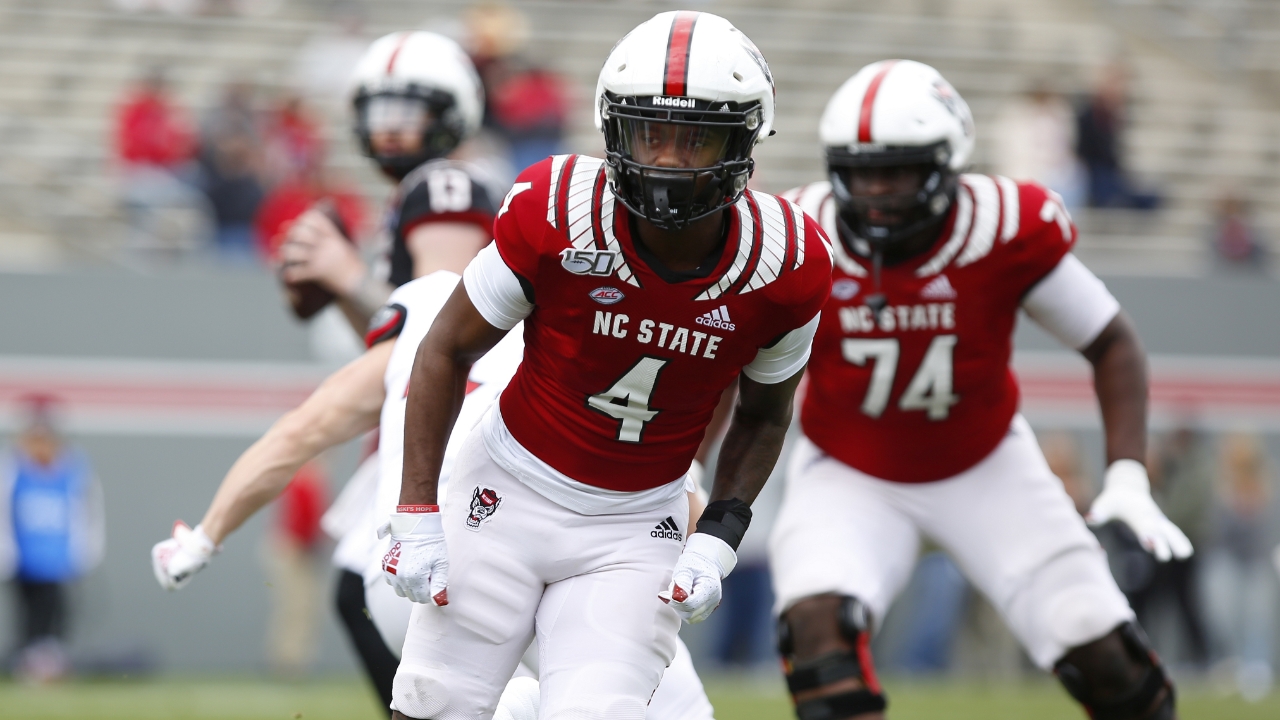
(910,420)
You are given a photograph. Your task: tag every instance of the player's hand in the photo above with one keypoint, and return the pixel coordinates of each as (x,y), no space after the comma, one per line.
(1126,496)
(416,564)
(315,250)
(695,584)
(177,560)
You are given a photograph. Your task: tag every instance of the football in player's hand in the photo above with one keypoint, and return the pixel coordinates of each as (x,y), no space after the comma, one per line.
(308,297)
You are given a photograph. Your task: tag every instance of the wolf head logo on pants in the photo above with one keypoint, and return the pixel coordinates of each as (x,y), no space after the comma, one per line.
(484,503)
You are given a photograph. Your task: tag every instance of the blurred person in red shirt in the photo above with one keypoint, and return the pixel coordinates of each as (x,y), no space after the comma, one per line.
(529,106)
(294,556)
(155,146)
(150,130)
(293,143)
(524,103)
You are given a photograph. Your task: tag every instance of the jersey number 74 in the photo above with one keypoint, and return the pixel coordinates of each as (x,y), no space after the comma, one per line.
(929,389)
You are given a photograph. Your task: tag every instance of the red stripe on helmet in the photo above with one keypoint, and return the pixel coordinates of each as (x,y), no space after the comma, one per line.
(869,100)
(395,54)
(675,79)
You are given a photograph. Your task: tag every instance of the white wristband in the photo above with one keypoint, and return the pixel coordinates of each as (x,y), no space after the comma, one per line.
(416,524)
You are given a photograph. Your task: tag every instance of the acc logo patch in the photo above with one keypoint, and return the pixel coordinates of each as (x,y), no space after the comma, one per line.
(588,262)
(606,295)
(844,288)
(484,503)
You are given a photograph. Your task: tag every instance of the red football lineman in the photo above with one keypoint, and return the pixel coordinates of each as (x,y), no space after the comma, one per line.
(911,423)
(648,282)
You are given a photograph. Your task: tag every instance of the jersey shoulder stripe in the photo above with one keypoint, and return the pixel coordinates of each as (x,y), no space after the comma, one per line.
(580,200)
(986,218)
(581,205)
(758,240)
(988,209)
(557,171)
(816,201)
(1010,209)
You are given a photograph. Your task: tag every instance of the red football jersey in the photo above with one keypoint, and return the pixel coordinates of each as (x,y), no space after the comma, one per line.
(923,390)
(624,360)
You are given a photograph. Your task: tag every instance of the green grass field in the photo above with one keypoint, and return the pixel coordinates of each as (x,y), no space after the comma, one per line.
(347,699)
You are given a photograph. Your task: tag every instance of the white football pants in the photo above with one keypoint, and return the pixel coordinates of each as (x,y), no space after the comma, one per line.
(1007,522)
(587,585)
(680,695)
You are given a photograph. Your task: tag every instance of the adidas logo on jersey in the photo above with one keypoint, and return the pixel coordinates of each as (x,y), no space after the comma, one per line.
(718,318)
(939,289)
(667,530)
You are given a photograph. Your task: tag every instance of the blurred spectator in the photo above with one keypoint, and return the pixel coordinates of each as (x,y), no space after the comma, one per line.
(1062,452)
(525,104)
(1182,484)
(529,106)
(150,130)
(155,145)
(293,143)
(1235,238)
(1240,580)
(294,558)
(1036,140)
(1099,130)
(293,197)
(230,152)
(52,533)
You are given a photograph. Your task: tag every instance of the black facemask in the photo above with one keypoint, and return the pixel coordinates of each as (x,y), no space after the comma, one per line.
(434,110)
(674,161)
(871,223)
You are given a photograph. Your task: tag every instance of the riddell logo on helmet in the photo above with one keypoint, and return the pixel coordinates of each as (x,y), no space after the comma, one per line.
(675,102)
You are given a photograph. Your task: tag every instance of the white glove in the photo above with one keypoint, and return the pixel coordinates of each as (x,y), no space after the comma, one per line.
(416,565)
(695,583)
(1126,496)
(176,560)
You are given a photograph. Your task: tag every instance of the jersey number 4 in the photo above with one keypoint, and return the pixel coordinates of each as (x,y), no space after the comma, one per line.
(628,398)
(929,390)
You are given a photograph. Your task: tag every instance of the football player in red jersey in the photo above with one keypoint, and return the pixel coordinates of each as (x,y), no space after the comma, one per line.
(648,282)
(910,417)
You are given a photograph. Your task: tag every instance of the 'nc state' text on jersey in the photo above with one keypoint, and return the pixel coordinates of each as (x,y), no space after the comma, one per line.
(666,335)
(927,316)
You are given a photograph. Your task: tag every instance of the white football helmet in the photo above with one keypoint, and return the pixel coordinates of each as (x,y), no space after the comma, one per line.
(894,114)
(411,79)
(682,100)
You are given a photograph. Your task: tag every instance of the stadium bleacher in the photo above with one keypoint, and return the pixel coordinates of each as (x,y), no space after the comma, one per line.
(1202,122)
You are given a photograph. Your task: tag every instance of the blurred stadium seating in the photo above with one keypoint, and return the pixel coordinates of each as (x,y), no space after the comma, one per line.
(1204,121)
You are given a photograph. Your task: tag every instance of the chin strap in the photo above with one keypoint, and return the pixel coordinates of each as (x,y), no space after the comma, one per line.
(876,300)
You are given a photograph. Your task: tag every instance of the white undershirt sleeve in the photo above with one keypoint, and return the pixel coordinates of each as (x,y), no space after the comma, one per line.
(786,357)
(495,290)
(1071,303)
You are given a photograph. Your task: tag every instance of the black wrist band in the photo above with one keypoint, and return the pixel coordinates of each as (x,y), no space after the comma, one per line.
(727,520)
